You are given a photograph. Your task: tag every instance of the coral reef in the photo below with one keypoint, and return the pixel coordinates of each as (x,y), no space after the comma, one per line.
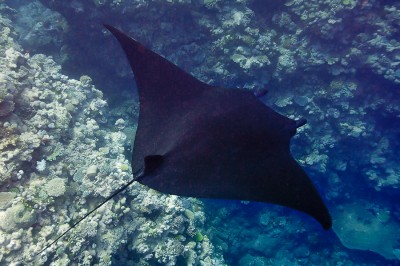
(41,30)
(335,63)
(49,122)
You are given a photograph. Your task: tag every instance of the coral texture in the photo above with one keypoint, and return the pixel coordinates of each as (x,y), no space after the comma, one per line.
(335,63)
(62,153)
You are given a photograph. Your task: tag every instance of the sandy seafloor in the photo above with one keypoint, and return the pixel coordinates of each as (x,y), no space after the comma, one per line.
(68,113)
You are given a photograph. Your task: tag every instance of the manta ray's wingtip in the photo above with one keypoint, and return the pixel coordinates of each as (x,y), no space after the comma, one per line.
(329,224)
(112,29)
(108,27)
(321,213)
(326,221)
(121,37)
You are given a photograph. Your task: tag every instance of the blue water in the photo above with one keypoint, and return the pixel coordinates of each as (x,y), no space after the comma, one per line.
(335,63)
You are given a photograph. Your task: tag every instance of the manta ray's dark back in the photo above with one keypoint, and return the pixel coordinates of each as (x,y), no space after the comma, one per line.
(197,140)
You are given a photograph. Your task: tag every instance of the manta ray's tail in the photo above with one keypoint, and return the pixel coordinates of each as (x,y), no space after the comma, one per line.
(138,176)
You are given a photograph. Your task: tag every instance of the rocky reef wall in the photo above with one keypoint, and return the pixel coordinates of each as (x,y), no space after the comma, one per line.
(335,63)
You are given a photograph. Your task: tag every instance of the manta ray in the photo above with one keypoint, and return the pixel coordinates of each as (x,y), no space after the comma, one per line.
(199,140)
